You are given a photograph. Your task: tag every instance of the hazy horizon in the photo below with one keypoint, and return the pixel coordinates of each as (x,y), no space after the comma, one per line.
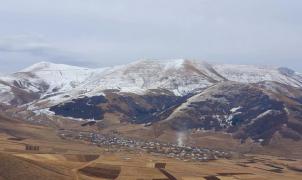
(98,33)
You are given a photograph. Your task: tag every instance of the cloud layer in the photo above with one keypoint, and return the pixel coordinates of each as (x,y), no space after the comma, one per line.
(102,33)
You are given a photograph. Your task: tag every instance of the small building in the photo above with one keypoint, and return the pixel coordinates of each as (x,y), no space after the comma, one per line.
(31,148)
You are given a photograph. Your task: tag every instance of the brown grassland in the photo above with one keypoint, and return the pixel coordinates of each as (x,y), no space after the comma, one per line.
(62,159)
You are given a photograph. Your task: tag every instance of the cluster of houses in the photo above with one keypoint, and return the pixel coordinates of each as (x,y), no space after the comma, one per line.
(183,152)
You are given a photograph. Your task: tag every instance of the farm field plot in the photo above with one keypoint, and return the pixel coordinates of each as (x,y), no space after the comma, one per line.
(58,158)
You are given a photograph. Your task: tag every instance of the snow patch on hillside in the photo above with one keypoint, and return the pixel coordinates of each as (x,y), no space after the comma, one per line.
(254,74)
(6,94)
(235,109)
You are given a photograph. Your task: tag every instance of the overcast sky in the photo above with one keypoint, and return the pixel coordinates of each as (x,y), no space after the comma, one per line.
(96,33)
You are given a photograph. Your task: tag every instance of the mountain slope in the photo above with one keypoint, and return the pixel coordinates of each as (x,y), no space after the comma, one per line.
(52,82)
(57,77)
(56,83)
(248,102)
(257,111)
(254,74)
(40,80)
(180,76)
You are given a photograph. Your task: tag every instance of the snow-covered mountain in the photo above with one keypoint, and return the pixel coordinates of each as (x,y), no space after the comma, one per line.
(255,102)
(58,82)
(179,76)
(254,74)
(258,111)
(42,79)
(47,77)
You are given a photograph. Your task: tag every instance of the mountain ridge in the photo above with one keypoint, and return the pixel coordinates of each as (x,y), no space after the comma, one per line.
(249,102)
(180,76)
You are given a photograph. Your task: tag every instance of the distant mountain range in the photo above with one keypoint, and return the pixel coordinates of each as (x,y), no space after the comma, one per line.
(248,101)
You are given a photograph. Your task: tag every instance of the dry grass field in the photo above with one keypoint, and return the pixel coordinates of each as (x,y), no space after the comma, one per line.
(61,159)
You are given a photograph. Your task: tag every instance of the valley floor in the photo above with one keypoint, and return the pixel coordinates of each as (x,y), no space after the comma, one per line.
(63,159)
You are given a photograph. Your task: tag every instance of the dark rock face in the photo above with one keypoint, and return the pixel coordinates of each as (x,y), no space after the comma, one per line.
(134,108)
(263,128)
(145,108)
(243,110)
(250,103)
(86,108)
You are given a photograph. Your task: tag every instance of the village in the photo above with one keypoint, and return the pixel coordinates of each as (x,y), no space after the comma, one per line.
(170,150)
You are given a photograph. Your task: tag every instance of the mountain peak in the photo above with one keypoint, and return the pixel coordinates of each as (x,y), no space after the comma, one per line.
(45,65)
(180,61)
(38,66)
(168,63)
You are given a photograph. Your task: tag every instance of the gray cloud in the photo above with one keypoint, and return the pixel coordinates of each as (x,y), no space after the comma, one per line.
(102,33)
(23,50)
(24,43)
